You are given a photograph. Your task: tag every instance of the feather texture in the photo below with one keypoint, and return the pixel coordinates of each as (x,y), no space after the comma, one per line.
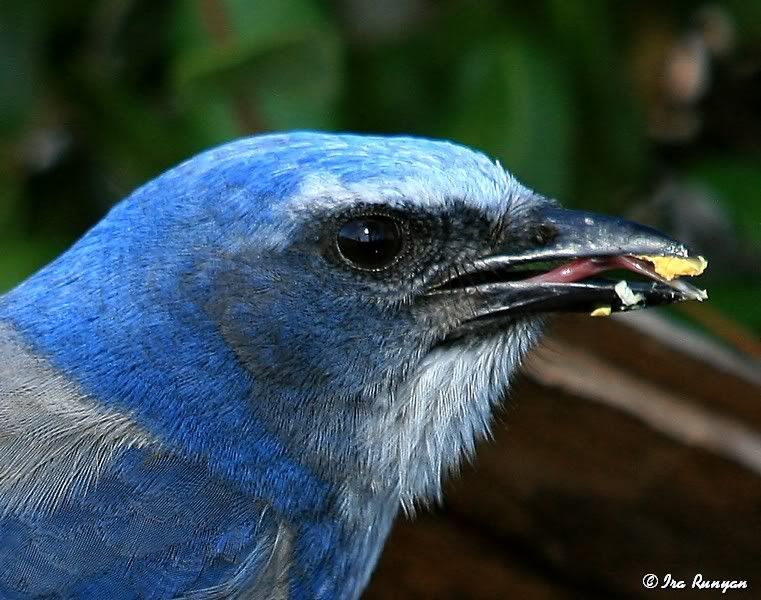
(199,400)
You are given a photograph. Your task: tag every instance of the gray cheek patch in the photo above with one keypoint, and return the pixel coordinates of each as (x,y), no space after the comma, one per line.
(55,442)
(439,412)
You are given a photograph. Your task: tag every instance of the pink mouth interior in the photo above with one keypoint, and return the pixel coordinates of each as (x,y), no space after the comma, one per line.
(582,268)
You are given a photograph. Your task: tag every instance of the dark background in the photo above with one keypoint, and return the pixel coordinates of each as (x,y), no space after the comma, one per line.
(650,109)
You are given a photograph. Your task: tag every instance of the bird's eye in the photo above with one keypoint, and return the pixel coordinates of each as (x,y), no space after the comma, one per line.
(371,242)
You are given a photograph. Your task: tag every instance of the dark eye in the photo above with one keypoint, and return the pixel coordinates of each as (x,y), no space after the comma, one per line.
(372,242)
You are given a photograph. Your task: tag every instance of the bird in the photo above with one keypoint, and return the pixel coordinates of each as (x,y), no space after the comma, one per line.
(235,381)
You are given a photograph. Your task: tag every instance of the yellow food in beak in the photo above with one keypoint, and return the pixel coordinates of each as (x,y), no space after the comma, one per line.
(670,267)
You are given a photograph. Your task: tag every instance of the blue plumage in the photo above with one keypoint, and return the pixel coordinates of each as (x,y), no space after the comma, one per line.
(213,394)
(143,508)
(198,314)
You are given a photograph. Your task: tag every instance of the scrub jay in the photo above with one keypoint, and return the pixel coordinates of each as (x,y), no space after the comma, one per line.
(229,386)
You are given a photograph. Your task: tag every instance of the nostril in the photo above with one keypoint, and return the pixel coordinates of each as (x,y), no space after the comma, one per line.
(545,233)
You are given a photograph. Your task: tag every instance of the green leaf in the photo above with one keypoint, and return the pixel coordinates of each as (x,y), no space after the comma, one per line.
(278,61)
(21,31)
(737,183)
(514,102)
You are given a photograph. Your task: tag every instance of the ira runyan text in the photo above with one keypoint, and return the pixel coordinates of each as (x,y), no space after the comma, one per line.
(701,583)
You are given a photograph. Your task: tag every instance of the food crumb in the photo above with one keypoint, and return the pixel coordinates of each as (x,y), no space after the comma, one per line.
(600,311)
(670,267)
(628,297)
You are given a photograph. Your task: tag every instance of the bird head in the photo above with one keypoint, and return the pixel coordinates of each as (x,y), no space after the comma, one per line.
(377,294)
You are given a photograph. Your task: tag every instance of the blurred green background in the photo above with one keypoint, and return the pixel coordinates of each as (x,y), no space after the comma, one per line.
(650,109)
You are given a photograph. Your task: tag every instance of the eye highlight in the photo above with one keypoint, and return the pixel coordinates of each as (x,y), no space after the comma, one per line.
(371,242)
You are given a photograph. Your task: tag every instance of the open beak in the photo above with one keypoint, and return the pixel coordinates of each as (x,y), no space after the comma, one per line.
(562,273)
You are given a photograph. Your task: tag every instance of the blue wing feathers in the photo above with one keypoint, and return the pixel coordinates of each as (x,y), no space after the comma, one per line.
(153,528)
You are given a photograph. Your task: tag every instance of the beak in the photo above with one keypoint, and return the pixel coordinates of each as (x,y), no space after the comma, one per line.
(558,273)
